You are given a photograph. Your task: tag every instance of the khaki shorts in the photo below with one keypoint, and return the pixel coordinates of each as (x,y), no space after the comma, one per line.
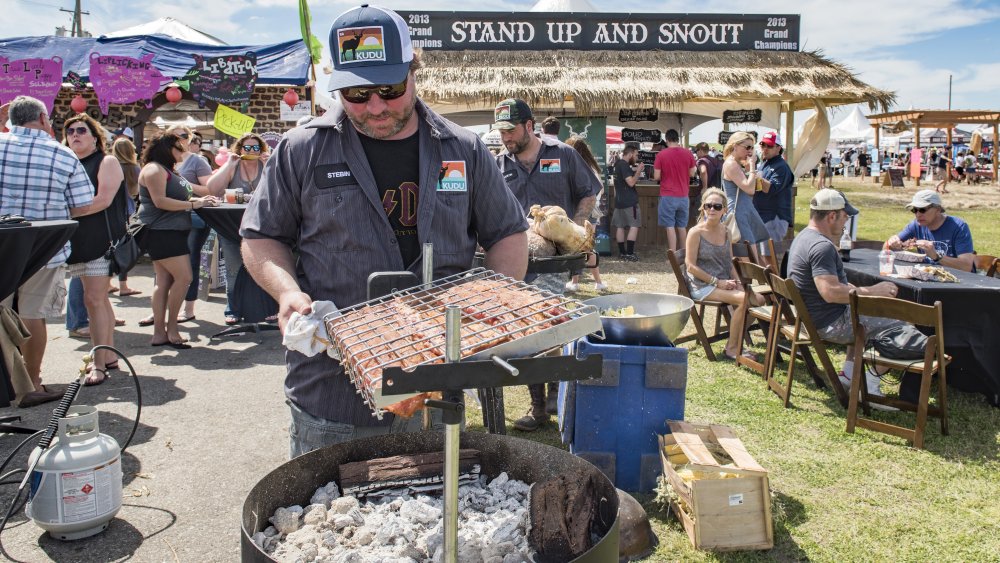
(43,296)
(627,218)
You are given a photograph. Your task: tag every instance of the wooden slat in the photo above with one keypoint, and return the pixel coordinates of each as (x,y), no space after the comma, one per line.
(692,445)
(735,448)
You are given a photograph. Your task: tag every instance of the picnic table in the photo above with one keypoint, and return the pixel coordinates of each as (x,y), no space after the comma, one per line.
(971,319)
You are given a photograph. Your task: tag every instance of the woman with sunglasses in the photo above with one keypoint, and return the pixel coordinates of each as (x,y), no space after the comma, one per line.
(709,260)
(739,174)
(241,173)
(94,235)
(165,205)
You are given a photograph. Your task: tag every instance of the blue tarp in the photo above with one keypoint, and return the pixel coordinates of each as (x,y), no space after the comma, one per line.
(279,63)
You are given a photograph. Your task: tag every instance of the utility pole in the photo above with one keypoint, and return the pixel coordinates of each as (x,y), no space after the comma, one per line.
(949,91)
(77,19)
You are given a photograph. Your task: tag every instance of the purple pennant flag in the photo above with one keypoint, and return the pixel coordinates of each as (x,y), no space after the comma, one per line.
(38,78)
(123,80)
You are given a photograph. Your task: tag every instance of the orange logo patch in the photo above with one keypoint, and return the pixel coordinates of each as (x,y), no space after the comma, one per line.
(360,44)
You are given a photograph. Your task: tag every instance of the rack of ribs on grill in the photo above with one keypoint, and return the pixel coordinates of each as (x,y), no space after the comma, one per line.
(407,329)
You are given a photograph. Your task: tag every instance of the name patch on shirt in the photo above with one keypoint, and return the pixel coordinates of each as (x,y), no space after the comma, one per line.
(333,175)
(509,175)
(549,166)
(452,177)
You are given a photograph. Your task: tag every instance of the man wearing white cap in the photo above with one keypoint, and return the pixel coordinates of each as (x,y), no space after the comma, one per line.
(945,239)
(358,191)
(815,267)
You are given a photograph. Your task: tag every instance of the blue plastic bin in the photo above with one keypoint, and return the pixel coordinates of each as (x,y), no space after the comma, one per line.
(613,422)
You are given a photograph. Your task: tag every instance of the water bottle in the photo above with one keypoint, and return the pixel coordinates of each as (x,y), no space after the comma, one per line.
(885,260)
(845,247)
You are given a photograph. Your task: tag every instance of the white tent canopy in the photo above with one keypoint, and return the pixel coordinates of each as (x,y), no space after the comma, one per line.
(854,127)
(171,28)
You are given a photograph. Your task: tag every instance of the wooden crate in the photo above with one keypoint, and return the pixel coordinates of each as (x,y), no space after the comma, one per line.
(723,514)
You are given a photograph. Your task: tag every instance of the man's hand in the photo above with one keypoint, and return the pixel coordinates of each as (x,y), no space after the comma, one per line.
(928,247)
(882,289)
(292,302)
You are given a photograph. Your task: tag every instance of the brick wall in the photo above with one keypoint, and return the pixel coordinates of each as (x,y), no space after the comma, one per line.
(264,105)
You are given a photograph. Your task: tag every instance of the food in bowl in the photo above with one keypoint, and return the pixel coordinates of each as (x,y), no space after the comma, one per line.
(627,311)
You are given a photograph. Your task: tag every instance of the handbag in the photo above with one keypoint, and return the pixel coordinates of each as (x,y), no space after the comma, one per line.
(732,227)
(123,253)
(901,342)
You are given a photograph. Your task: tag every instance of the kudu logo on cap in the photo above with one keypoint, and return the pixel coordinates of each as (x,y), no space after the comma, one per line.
(371,47)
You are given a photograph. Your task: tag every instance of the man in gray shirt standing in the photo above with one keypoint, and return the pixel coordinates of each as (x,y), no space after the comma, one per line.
(359,190)
(542,172)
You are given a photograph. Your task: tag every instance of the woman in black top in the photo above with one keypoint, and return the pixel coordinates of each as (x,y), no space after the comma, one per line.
(92,239)
(165,206)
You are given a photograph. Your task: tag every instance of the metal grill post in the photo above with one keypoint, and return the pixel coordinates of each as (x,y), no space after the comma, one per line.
(453,353)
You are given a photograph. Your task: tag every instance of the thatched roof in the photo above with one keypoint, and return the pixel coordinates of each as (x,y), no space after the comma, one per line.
(606,81)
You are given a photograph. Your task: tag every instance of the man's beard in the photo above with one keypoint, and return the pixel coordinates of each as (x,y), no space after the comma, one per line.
(385,130)
(517,146)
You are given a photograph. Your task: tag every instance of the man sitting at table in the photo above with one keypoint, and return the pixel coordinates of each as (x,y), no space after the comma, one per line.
(815,267)
(932,225)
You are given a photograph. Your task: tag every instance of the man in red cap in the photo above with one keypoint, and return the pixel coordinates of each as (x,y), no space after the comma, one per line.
(775,205)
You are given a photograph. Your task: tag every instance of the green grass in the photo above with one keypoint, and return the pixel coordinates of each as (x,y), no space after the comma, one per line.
(835,496)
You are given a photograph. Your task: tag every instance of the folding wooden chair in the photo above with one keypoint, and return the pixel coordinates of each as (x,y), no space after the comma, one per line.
(776,253)
(792,321)
(676,260)
(994,268)
(986,263)
(755,280)
(935,361)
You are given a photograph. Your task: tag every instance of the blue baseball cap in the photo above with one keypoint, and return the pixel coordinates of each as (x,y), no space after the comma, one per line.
(370,46)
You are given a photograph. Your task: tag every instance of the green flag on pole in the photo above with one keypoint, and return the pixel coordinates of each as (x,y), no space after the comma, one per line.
(312,43)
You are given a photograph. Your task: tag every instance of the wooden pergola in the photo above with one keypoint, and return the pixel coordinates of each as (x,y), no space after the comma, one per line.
(938,119)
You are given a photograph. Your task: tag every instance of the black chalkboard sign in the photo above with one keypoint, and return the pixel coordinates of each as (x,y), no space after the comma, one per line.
(228,80)
(896,178)
(647,157)
(642,114)
(742,116)
(725,135)
(641,135)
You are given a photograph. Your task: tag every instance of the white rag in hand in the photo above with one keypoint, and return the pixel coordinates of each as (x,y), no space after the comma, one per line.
(307,335)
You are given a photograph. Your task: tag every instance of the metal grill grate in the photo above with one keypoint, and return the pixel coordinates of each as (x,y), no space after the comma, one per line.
(501,317)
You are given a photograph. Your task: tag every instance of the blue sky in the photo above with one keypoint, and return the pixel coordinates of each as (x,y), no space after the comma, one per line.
(908,46)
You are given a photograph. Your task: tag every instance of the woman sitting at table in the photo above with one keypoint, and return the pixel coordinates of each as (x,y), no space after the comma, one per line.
(165,204)
(709,260)
(739,152)
(241,173)
(91,240)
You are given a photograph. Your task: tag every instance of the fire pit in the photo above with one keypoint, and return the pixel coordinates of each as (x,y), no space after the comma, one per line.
(295,481)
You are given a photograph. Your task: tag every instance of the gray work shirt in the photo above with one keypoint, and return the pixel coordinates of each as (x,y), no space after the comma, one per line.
(560,177)
(318,196)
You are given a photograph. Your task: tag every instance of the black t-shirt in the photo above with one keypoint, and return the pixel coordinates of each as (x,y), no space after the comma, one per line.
(625,196)
(396,167)
(862,159)
(91,239)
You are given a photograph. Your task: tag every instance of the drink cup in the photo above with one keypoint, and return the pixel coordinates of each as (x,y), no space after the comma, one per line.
(885,261)
(230,196)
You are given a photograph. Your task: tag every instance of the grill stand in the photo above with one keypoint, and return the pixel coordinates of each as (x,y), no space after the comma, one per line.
(453,376)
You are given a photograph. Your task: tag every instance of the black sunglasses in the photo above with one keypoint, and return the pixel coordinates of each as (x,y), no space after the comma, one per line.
(77,130)
(361,94)
(916,210)
(254,147)
(715,206)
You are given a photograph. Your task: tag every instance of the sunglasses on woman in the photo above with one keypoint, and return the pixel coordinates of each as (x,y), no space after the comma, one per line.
(361,94)
(715,206)
(77,130)
(251,148)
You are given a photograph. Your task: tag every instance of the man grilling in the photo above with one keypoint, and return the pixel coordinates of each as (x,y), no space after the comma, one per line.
(542,172)
(358,191)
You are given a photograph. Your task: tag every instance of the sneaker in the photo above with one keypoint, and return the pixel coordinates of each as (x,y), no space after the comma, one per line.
(530,421)
(631,257)
(872,382)
(601,286)
(570,286)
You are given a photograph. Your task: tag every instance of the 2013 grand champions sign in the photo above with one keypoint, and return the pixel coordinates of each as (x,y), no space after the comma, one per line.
(512,31)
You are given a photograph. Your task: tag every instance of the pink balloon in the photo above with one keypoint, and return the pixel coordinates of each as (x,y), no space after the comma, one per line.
(222,158)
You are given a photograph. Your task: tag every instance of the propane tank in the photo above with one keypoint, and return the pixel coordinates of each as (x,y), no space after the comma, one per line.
(76,487)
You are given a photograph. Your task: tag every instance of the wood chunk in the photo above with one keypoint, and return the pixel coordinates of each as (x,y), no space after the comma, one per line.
(562,512)
(399,467)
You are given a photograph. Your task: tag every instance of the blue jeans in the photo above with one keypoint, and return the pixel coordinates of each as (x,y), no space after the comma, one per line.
(76,310)
(307,432)
(234,261)
(196,239)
